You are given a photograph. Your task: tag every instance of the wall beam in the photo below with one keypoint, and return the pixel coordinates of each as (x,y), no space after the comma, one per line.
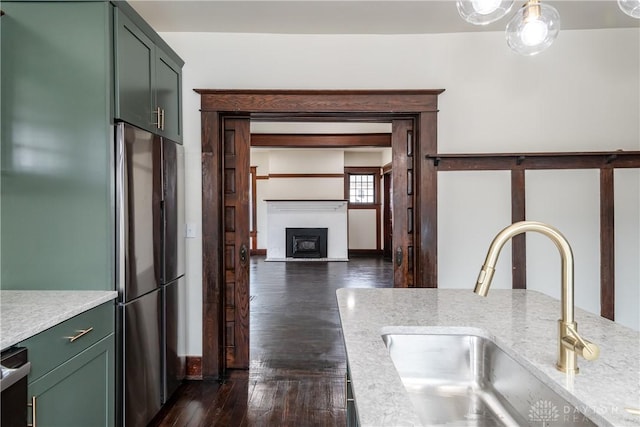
(607,245)
(519,242)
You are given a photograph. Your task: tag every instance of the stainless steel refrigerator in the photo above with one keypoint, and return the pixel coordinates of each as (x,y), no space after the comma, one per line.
(150,271)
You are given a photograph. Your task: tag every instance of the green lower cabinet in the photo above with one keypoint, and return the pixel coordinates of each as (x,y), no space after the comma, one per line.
(352,414)
(78,393)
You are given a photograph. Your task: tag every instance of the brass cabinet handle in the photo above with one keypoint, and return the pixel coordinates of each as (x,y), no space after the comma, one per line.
(32,405)
(158,114)
(81,333)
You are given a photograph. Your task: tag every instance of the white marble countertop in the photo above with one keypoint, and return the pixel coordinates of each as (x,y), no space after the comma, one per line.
(523,323)
(24,314)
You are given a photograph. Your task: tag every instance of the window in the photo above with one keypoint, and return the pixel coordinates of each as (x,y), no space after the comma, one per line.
(361,189)
(361,186)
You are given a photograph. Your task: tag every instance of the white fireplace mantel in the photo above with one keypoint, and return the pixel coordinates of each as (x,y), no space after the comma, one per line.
(330,214)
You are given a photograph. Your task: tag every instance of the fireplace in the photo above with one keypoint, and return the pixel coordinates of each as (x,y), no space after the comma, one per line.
(306,242)
(307,214)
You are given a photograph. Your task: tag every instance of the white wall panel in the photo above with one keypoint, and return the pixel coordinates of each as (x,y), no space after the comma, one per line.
(306,188)
(386,157)
(193,248)
(263,190)
(472,208)
(363,159)
(362,229)
(306,161)
(627,247)
(260,159)
(568,200)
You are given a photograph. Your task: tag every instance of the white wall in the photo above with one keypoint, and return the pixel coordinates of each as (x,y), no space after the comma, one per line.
(570,201)
(362,229)
(362,223)
(386,157)
(364,159)
(581,94)
(627,249)
(472,208)
(306,161)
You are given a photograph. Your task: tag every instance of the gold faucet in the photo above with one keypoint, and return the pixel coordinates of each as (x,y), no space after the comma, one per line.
(570,342)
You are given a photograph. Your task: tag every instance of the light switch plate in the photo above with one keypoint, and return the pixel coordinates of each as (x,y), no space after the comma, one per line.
(190,231)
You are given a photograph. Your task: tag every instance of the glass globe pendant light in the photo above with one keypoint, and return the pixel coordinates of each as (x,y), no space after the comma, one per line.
(533,28)
(630,7)
(483,12)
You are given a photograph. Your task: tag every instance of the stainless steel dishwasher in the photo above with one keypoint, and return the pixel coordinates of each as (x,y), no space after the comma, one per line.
(13,387)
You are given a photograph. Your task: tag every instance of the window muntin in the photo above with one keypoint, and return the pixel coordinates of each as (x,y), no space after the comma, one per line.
(361,189)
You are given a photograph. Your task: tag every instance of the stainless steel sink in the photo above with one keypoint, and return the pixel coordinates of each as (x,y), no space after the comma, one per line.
(467,380)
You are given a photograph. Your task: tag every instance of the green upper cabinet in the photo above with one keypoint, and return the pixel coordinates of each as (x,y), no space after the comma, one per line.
(56,179)
(148,79)
(135,68)
(70,69)
(169,95)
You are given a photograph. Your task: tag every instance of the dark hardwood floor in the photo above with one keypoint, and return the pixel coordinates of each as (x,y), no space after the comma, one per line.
(298,362)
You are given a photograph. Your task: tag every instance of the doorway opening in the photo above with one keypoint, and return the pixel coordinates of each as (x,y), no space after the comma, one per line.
(226,139)
(318,175)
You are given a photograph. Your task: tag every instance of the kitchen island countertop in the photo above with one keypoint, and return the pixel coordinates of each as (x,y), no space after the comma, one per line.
(24,314)
(523,323)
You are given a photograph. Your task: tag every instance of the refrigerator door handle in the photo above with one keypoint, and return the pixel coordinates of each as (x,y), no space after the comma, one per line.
(120,210)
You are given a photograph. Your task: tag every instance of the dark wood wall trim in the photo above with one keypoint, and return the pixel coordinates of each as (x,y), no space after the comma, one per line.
(519,242)
(364,207)
(253,233)
(306,175)
(365,252)
(194,368)
(607,245)
(321,140)
(518,163)
(509,161)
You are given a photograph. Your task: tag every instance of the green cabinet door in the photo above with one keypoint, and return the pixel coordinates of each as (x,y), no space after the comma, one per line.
(135,74)
(148,77)
(78,393)
(148,81)
(169,95)
(56,179)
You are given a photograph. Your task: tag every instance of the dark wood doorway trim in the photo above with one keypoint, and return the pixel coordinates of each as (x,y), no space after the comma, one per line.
(320,140)
(342,105)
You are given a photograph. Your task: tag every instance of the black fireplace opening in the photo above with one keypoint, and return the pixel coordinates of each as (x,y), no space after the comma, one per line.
(306,242)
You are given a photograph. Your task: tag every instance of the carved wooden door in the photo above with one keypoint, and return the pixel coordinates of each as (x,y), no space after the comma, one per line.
(236,148)
(387,216)
(403,144)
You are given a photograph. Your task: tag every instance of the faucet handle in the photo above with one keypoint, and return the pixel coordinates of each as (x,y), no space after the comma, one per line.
(588,350)
(584,348)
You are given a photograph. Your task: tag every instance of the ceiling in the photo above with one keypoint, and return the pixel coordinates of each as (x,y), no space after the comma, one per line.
(352,17)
